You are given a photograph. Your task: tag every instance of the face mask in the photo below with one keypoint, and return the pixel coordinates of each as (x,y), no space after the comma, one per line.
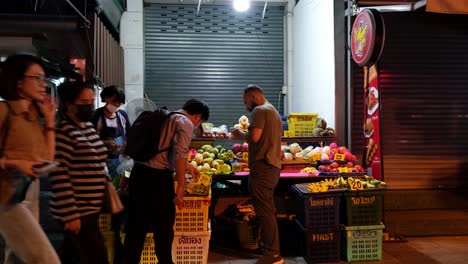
(84,112)
(112,108)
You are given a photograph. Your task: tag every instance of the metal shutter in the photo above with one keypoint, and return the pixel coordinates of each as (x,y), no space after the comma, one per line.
(212,56)
(424,93)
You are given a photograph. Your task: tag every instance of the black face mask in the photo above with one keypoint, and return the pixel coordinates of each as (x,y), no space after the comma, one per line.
(84,112)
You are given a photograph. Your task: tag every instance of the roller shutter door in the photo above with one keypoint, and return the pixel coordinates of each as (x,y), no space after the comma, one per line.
(424,93)
(212,56)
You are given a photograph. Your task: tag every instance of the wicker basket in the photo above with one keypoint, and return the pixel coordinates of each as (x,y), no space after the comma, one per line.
(249,234)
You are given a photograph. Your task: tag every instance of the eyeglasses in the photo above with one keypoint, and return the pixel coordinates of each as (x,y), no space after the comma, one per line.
(39,78)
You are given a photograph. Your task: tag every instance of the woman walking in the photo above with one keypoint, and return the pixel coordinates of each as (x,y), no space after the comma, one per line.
(78,184)
(27,125)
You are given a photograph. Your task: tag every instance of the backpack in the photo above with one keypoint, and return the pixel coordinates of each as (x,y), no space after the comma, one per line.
(144,134)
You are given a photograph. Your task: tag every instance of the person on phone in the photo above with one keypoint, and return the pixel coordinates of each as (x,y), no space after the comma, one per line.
(264,138)
(78,183)
(27,136)
(112,123)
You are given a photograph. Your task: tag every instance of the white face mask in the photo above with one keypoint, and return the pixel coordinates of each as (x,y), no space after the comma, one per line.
(112,108)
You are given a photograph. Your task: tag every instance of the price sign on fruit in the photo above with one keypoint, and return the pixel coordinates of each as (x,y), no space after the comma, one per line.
(343,169)
(316,156)
(245,156)
(356,185)
(339,157)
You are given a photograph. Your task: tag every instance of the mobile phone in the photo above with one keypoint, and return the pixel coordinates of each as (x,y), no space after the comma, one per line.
(45,167)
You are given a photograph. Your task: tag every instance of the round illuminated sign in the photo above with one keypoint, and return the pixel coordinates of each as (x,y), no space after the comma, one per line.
(367,37)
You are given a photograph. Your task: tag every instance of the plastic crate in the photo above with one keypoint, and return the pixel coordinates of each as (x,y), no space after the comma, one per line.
(323,244)
(363,207)
(301,124)
(191,247)
(194,215)
(148,255)
(105,222)
(319,209)
(363,243)
(248,234)
(109,243)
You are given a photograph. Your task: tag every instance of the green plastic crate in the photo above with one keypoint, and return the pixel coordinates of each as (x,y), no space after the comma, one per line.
(363,243)
(363,207)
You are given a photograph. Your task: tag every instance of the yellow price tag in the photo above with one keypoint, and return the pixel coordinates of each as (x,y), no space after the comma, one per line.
(356,185)
(343,169)
(339,157)
(245,156)
(316,156)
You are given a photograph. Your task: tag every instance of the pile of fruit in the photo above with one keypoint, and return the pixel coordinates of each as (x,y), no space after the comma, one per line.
(367,182)
(201,187)
(211,160)
(295,152)
(243,123)
(309,170)
(340,167)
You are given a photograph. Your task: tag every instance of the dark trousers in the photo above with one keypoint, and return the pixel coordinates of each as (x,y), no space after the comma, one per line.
(262,182)
(86,247)
(150,208)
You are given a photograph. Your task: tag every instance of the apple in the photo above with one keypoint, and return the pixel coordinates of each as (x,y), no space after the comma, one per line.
(342,150)
(333,145)
(334,165)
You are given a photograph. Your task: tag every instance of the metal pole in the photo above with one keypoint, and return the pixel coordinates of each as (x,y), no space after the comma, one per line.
(87,22)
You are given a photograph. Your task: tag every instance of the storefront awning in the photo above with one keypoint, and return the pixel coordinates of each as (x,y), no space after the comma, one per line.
(447,6)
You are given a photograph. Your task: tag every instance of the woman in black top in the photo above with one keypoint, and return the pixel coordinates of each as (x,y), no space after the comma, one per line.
(111,123)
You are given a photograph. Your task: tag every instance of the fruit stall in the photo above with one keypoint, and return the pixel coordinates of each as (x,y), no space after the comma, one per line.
(323,191)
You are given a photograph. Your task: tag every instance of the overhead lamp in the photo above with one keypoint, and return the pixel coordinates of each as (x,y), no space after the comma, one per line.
(241,5)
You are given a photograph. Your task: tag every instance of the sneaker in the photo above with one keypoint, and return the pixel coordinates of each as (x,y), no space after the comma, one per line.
(268,259)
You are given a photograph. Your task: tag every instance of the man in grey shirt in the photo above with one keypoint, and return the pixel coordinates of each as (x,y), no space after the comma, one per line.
(264,138)
(152,198)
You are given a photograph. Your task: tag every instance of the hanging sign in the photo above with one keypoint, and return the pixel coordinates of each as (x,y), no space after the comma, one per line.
(367,37)
(367,42)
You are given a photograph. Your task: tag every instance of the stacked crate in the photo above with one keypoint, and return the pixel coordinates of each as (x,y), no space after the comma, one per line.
(191,234)
(363,225)
(105,225)
(319,215)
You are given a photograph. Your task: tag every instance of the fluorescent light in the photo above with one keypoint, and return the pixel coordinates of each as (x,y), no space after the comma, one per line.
(241,5)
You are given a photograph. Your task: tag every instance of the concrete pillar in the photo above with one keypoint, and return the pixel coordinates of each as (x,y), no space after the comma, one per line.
(131,40)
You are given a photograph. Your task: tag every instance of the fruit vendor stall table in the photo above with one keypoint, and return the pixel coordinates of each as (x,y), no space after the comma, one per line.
(285,182)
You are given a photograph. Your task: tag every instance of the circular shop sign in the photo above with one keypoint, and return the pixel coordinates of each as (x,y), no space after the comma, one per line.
(367,37)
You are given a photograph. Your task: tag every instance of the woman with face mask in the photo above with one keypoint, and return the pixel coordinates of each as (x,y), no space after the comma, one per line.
(78,183)
(112,123)
(27,136)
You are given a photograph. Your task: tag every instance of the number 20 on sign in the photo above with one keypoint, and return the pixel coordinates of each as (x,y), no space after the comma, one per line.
(356,185)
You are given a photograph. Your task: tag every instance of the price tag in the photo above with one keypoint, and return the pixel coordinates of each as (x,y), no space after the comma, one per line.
(343,169)
(245,156)
(316,156)
(339,157)
(356,185)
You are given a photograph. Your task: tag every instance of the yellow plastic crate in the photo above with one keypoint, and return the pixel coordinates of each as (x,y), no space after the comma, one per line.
(191,247)
(109,243)
(301,124)
(194,215)
(187,248)
(105,222)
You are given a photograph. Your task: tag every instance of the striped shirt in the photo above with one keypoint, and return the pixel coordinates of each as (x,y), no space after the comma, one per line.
(78,183)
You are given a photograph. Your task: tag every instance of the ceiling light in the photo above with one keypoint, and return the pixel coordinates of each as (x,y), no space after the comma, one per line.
(241,5)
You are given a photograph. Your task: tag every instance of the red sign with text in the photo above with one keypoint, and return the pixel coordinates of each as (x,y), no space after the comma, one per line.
(372,147)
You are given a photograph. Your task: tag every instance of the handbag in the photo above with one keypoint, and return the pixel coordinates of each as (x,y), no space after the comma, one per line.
(112,203)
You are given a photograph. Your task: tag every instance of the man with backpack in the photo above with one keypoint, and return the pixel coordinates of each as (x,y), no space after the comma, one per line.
(152,198)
